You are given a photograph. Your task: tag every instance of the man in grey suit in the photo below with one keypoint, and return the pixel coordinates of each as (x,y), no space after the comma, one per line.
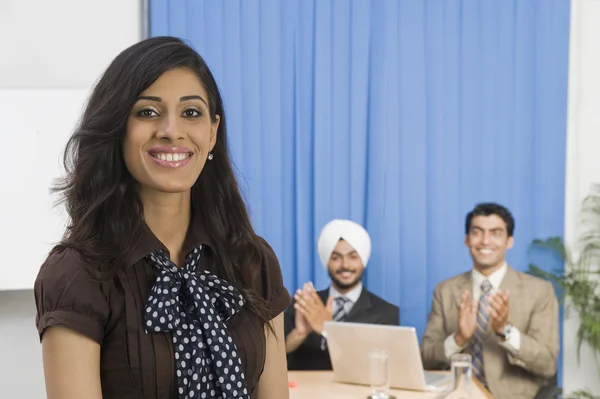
(507,320)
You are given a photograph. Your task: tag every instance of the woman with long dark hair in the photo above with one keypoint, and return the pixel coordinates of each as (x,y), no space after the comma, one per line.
(160,287)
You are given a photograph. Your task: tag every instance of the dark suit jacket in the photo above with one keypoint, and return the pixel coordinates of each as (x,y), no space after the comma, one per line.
(369,308)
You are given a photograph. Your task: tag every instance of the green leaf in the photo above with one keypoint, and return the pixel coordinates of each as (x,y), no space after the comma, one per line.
(581,394)
(578,285)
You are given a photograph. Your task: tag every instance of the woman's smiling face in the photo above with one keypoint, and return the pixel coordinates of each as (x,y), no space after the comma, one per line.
(170,133)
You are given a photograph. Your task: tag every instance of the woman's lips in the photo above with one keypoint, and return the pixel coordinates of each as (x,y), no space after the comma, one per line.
(170,157)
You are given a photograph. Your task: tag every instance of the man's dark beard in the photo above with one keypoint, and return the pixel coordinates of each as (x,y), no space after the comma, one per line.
(345,286)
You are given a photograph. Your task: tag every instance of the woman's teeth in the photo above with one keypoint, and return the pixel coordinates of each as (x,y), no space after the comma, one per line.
(171,157)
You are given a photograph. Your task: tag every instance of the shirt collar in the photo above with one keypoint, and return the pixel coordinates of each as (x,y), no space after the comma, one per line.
(148,242)
(352,295)
(495,278)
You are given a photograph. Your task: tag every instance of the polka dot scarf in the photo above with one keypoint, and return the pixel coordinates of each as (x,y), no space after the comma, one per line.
(194,307)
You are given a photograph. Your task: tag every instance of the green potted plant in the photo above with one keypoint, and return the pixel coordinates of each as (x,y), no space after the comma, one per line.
(578,284)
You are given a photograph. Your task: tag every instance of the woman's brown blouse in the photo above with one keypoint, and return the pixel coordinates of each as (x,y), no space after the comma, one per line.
(135,364)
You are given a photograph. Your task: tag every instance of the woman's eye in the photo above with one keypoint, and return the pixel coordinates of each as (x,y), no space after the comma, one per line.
(147,112)
(191,113)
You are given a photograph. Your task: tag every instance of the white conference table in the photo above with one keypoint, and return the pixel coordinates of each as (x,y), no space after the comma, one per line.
(320,384)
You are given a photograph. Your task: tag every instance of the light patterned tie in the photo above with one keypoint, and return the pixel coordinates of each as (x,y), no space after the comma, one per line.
(483,318)
(340,303)
(339,314)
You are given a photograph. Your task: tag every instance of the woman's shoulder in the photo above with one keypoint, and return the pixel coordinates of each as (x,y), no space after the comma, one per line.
(271,267)
(67,294)
(271,259)
(63,264)
(274,290)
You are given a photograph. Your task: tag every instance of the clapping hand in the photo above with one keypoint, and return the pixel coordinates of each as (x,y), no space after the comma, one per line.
(467,320)
(309,305)
(301,324)
(498,310)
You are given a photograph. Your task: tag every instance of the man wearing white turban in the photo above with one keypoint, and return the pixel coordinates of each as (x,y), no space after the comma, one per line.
(344,248)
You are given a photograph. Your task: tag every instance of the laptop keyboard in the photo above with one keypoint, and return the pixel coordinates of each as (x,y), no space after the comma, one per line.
(434,378)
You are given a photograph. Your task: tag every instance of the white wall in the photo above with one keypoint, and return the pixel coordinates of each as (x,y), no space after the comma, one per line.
(583,163)
(51,54)
(43,120)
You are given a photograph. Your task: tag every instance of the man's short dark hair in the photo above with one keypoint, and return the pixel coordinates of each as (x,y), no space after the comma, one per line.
(488,209)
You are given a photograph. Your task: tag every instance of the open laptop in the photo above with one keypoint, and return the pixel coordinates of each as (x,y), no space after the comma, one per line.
(350,344)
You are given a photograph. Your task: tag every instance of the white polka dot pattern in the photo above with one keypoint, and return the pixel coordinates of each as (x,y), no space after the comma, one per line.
(194,307)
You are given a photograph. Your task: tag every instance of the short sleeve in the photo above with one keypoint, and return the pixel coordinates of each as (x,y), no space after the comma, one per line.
(275,292)
(67,296)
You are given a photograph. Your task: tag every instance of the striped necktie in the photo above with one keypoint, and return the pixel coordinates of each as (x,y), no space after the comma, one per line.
(339,314)
(340,303)
(483,318)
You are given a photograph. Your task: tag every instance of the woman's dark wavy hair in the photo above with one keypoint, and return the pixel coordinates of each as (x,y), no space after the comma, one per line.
(100,195)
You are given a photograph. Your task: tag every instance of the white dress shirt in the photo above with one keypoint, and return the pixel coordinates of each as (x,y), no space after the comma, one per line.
(351,295)
(513,343)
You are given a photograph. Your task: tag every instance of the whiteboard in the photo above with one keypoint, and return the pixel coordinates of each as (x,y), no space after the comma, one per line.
(36,125)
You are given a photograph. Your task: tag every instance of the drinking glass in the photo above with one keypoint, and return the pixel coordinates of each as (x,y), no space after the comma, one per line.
(461,374)
(380,374)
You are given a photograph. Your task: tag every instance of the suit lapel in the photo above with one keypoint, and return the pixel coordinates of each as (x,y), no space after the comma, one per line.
(323,294)
(465,283)
(511,281)
(513,284)
(362,305)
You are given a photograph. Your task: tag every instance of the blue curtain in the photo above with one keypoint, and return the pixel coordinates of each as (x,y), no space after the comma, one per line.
(400,115)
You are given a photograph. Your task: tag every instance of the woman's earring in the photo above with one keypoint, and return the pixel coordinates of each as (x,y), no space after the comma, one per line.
(210,156)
